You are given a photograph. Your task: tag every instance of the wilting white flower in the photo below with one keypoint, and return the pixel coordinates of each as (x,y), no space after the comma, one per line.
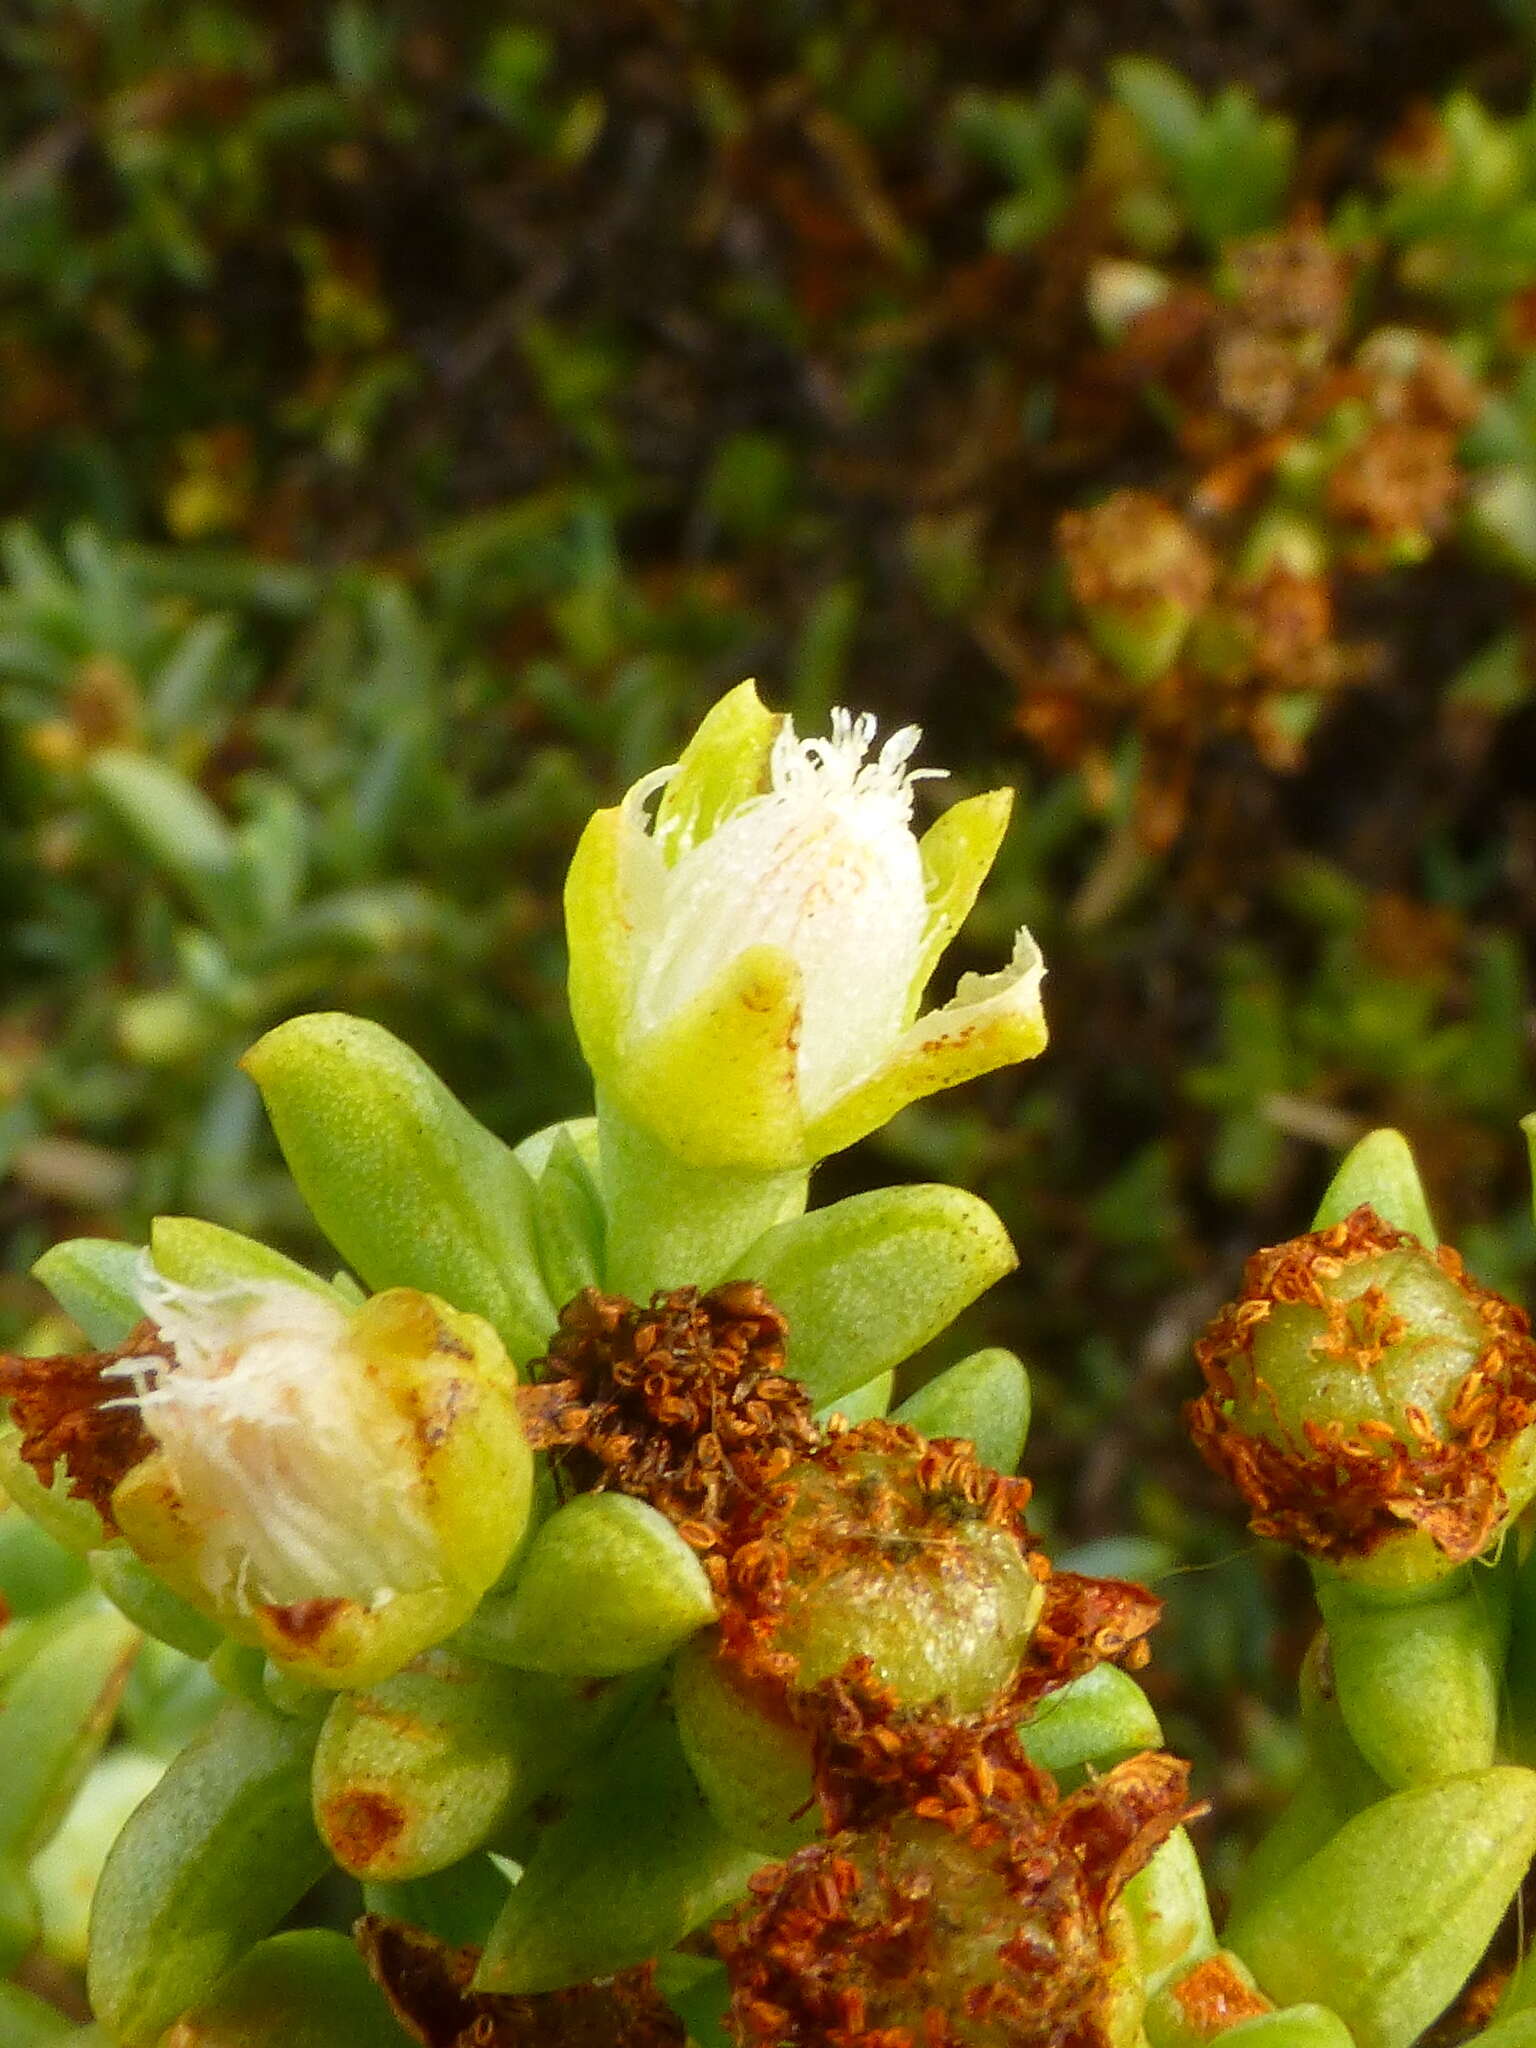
(339,1485)
(748,964)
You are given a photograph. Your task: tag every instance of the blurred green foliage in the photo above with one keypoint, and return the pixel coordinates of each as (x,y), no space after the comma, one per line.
(410,419)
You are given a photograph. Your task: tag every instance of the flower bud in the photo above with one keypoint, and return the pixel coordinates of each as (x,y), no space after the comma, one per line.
(747,966)
(337,1487)
(1373,1405)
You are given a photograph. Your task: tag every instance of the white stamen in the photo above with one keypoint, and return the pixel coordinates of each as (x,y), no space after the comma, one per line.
(292,1467)
(824,866)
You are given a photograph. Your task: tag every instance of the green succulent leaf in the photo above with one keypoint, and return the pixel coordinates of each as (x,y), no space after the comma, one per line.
(411,1190)
(606,1586)
(220,1850)
(983,1398)
(868,1281)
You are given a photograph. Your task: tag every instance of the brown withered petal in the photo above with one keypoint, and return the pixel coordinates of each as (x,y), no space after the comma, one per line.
(1338,1492)
(427,1984)
(686,1403)
(981,1923)
(69,1414)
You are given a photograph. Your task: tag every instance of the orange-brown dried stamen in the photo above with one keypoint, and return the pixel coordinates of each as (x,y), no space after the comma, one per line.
(1340,1491)
(855,1939)
(686,1403)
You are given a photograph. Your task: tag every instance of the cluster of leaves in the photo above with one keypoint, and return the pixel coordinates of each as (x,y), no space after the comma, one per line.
(419,417)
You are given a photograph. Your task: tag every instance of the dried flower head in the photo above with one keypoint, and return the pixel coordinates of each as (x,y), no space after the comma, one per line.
(884,1591)
(981,1918)
(686,1403)
(883,1545)
(1372,1404)
(428,1983)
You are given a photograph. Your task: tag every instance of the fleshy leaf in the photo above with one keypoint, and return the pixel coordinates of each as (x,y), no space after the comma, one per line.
(869,1280)
(984,1398)
(308,1988)
(636,1863)
(408,1186)
(1379,1170)
(205,1255)
(606,1586)
(1386,1921)
(93,1281)
(220,1850)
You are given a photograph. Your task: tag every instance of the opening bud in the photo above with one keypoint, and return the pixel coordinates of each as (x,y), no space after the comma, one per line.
(747,964)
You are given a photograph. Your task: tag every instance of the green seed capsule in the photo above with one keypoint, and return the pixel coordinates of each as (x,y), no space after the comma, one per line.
(1388,1919)
(1371,1403)
(883,1548)
(308,1989)
(220,1850)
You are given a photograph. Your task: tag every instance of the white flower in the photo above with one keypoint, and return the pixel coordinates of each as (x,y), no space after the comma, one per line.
(823,866)
(293,1468)
(747,964)
(338,1485)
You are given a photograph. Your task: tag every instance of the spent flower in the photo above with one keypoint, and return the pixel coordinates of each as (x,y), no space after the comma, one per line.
(1375,1407)
(337,1486)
